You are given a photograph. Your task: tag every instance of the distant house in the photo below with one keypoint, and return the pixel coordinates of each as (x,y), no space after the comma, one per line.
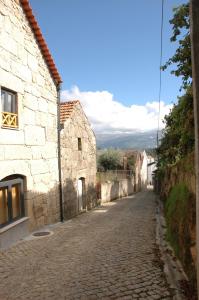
(138,163)
(29,82)
(151,167)
(132,159)
(78,159)
(143,170)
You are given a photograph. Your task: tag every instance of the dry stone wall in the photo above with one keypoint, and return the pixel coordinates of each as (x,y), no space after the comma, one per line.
(78,163)
(177,186)
(182,172)
(30,150)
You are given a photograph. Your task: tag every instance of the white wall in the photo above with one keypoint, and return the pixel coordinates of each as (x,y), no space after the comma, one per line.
(116,189)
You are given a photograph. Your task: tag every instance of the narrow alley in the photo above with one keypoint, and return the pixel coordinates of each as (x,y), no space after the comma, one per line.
(107,253)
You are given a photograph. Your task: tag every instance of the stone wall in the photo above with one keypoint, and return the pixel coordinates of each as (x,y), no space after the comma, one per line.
(183,171)
(116,189)
(78,163)
(177,187)
(30,150)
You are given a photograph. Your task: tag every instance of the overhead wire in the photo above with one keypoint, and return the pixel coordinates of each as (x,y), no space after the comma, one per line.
(160,74)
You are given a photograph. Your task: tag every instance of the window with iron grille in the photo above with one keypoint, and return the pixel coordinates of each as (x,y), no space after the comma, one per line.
(9,109)
(11,201)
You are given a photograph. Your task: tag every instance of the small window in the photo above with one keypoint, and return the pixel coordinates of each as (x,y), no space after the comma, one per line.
(9,109)
(79,144)
(11,201)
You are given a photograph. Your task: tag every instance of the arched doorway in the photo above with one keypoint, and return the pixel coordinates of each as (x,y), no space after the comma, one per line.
(81,194)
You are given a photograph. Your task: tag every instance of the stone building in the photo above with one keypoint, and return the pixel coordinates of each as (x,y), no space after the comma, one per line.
(132,160)
(29,81)
(137,161)
(78,159)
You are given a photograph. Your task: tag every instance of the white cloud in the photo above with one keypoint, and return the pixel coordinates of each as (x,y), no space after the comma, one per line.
(108,115)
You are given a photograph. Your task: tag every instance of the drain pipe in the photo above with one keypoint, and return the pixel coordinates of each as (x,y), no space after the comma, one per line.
(59,153)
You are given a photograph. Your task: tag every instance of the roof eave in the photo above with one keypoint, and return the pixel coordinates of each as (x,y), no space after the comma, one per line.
(41,41)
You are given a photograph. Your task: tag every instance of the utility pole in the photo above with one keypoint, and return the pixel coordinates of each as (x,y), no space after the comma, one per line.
(194,18)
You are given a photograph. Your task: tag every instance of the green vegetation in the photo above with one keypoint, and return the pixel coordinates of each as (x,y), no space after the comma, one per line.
(178,135)
(181,34)
(180,217)
(151,152)
(110,159)
(176,214)
(131,163)
(175,153)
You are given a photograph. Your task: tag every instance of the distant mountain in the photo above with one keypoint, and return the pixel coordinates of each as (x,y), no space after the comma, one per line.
(135,140)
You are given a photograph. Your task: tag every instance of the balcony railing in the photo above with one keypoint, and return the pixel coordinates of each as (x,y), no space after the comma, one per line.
(9,120)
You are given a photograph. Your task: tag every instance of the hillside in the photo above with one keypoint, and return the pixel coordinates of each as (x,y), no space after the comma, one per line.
(135,140)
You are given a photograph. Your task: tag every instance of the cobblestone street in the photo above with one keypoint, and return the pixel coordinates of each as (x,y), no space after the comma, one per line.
(107,253)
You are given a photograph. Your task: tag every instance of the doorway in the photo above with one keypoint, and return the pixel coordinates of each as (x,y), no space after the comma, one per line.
(81,194)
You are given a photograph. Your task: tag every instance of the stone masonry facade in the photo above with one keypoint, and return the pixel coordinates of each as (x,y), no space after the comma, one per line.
(76,163)
(31,149)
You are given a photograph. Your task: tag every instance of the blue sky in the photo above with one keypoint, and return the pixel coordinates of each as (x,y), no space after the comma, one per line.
(110,45)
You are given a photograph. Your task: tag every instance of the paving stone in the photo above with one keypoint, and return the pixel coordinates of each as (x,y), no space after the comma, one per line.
(110,255)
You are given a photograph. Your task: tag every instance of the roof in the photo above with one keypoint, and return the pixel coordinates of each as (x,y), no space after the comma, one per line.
(131,152)
(40,40)
(66,109)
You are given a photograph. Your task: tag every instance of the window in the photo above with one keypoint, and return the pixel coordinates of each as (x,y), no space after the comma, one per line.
(9,109)
(79,144)
(11,201)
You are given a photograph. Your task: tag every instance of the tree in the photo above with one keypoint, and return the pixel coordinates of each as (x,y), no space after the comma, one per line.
(109,160)
(178,135)
(181,34)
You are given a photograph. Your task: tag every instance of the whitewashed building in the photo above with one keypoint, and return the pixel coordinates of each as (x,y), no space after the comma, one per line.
(143,170)
(151,167)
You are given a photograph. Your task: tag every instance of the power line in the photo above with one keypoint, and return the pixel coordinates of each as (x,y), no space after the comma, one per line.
(160,75)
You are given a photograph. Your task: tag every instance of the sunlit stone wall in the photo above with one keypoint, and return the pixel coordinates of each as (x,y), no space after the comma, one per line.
(30,150)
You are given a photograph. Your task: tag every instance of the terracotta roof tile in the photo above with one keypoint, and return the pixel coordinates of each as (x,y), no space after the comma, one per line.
(66,109)
(40,40)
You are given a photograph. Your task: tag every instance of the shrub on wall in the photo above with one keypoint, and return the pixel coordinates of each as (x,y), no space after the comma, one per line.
(180,217)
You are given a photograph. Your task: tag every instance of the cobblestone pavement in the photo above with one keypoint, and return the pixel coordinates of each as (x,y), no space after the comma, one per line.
(107,253)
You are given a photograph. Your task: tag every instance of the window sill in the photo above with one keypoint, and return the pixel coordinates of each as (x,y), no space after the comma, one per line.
(11,225)
(10,128)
